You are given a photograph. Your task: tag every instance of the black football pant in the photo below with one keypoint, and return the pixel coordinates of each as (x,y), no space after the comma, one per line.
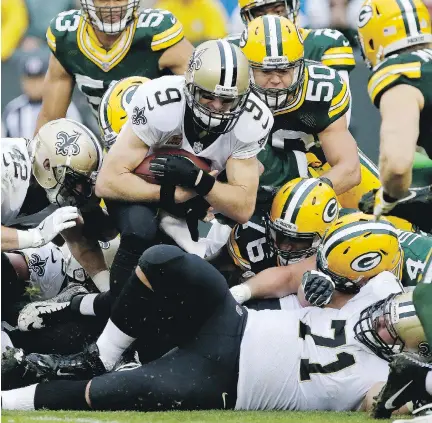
(204,320)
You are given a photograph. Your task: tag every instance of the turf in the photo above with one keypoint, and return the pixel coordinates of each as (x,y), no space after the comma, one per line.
(184,417)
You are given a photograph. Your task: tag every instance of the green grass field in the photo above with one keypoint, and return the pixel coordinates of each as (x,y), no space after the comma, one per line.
(185,417)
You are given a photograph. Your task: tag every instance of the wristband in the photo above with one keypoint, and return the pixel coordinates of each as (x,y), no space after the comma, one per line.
(205,185)
(29,239)
(167,200)
(102,280)
(388,198)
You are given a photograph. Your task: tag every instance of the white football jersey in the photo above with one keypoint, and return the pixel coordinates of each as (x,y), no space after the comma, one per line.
(308,359)
(16,172)
(76,272)
(47,267)
(157,111)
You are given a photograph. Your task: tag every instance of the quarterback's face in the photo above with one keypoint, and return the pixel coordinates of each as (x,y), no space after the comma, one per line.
(279,79)
(382,331)
(277,9)
(217,104)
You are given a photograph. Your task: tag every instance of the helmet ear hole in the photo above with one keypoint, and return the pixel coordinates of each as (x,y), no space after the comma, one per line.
(47,164)
(371,44)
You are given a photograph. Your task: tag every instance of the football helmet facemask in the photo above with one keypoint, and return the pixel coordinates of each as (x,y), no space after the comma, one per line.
(112,110)
(110,19)
(357,247)
(273,43)
(217,71)
(391,326)
(386,26)
(249,9)
(66,157)
(302,211)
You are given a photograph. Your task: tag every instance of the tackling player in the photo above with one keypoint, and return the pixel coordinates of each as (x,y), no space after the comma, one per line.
(218,363)
(104,41)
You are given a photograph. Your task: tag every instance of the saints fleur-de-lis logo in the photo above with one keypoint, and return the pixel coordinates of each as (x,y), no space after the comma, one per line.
(138,117)
(37,264)
(195,61)
(67,144)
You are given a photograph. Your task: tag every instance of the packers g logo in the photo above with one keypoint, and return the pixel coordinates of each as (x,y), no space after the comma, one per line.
(330,211)
(365,16)
(367,261)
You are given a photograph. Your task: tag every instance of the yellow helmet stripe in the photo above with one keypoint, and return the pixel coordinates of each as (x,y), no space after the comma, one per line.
(352,230)
(296,198)
(409,16)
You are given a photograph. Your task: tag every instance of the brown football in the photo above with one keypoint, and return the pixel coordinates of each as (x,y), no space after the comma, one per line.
(143,169)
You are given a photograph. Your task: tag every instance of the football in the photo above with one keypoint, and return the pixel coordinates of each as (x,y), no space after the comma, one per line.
(143,169)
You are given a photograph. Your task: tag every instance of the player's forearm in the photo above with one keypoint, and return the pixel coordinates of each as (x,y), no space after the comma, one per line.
(89,255)
(9,239)
(275,282)
(232,201)
(344,177)
(396,161)
(125,187)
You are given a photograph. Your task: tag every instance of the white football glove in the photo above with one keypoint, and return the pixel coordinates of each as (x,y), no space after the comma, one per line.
(63,218)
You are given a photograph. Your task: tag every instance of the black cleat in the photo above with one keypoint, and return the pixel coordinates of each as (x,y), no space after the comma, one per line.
(83,365)
(17,372)
(405,383)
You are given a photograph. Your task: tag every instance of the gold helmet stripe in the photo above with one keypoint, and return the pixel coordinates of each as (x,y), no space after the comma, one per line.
(354,229)
(228,77)
(409,16)
(296,198)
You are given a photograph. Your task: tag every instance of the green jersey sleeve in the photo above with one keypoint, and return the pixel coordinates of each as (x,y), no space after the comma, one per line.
(330,47)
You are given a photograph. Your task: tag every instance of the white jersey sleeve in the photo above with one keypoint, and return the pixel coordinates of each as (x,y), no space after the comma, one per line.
(252,129)
(16,172)
(311,359)
(47,268)
(157,109)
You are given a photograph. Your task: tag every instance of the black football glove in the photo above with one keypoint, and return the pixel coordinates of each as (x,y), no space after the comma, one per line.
(318,288)
(178,170)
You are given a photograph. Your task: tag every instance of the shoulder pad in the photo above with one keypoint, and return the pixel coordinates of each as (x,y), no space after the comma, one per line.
(61,25)
(255,122)
(161,26)
(161,101)
(395,69)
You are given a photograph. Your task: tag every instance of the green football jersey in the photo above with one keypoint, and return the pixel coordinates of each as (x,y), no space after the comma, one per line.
(327,46)
(410,68)
(417,262)
(136,52)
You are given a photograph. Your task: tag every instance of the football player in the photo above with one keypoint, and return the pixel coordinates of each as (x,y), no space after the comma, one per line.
(213,115)
(62,161)
(218,363)
(290,237)
(331,48)
(104,41)
(396,39)
(389,327)
(396,42)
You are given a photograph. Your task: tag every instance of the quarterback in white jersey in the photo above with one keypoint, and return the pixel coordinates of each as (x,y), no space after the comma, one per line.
(316,362)
(210,113)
